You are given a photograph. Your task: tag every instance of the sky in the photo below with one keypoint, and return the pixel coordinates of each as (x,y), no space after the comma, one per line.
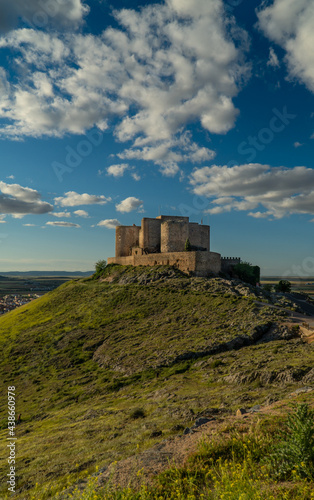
(114,111)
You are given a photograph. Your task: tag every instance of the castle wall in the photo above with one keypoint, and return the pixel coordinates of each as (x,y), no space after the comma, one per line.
(228,262)
(150,235)
(196,263)
(199,236)
(126,238)
(207,263)
(174,235)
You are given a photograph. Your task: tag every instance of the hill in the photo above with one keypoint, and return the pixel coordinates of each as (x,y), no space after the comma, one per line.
(104,367)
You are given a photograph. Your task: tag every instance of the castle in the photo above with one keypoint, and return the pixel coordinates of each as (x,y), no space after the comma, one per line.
(163,241)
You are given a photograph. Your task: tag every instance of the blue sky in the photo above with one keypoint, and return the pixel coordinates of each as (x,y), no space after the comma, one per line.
(114,111)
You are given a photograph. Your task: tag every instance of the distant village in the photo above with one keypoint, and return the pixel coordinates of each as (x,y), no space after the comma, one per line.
(10,302)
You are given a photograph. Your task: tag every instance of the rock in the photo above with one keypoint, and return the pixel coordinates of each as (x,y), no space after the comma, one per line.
(187,431)
(240,412)
(177,427)
(155,434)
(201,421)
(255,408)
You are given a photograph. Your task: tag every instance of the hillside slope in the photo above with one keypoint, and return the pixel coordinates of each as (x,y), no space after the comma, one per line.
(91,357)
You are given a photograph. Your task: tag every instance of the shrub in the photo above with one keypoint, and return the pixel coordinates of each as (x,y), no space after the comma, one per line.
(187,246)
(248,273)
(294,455)
(283,286)
(100,266)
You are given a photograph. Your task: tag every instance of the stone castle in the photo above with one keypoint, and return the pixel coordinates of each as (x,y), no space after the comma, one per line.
(163,241)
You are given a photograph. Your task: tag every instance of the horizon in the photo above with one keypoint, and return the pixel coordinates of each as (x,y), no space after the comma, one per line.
(111,113)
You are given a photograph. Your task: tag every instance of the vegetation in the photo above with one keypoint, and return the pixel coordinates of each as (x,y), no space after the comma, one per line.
(248,273)
(187,246)
(283,286)
(107,368)
(231,465)
(100,266)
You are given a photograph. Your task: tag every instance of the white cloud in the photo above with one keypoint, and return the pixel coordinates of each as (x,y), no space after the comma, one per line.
(10,177)
(81,213)
(290,25)
(29,225)
(61,224)
(155,75)
(117,170)
(73,199)
(41,13)
(19,201)
(273,60)
(297,144)
(136,176)
(129,204)
(280,191)
(109,223)
(61,214)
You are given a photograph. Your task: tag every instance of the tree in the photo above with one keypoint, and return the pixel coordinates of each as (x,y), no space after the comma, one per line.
(268,287)
(187,246)
(247,273)
(283,286)
(100,266)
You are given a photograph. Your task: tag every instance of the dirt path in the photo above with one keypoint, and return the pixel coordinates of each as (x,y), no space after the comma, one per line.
(304,320)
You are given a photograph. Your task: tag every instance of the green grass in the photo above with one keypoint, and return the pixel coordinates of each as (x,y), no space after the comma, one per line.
(89,356)
(234,464)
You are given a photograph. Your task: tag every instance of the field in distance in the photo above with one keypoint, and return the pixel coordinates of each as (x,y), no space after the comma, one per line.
(301,285)
(24,285)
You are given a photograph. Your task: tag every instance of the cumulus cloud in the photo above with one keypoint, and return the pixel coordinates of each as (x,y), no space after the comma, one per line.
(129,204)
(18,200)
(278,190)
(297,144)
(117,170)
(29,225)
(81,213)
(61,214)
(62,224)
(290,25)
(154,75)
(109,223)
(73,199)
(41,13)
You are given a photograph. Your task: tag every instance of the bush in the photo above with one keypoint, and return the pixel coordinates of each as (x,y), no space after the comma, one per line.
(294,455)
(283,286)
(248,273)
(187,246)
(100,266)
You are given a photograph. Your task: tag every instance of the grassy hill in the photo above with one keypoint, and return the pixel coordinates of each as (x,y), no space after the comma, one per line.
(109,366)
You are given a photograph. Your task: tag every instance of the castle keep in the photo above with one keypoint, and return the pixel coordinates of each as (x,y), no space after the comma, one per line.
(162,241)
